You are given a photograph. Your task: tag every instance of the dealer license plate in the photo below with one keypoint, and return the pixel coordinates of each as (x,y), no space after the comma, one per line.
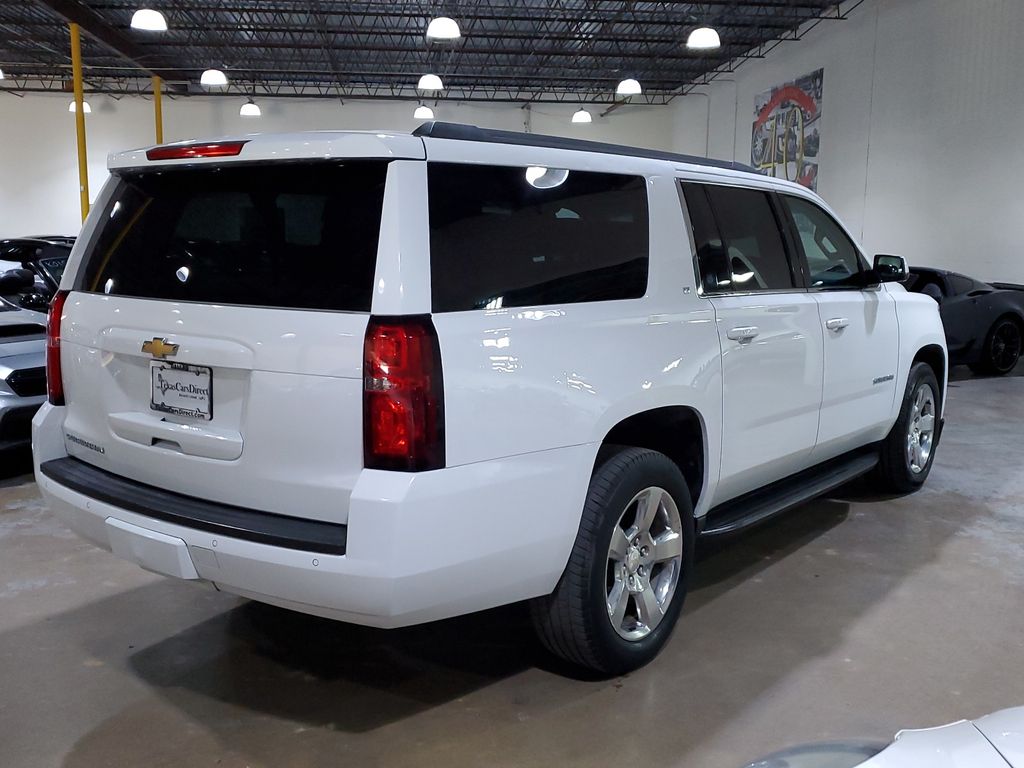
(184,390)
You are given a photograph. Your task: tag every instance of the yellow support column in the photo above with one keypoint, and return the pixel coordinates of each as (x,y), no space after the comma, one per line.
(76,71)
(158,110)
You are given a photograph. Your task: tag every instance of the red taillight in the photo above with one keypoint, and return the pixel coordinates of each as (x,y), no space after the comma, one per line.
(188,151)
(403,395)
(54,382)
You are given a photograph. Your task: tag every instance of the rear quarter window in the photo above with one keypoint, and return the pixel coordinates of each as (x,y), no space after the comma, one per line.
(505,236)
(295,235)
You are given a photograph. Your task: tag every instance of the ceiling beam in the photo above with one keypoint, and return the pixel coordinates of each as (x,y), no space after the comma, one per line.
(94,25)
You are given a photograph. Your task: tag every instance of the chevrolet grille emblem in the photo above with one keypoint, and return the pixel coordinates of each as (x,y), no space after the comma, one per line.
(159,348)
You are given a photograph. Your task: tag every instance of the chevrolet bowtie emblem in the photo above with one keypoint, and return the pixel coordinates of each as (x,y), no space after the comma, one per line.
(159,348)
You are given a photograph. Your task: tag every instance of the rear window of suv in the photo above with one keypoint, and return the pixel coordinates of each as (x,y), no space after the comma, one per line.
(513,236)
(291,235)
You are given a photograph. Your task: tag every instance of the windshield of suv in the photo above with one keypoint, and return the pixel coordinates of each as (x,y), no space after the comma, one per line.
(292,235)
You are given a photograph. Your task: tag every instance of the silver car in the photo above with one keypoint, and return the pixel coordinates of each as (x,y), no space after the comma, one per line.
(22,372)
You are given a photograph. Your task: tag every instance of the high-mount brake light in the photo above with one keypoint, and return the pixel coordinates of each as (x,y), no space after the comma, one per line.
(54,381)
(191,151)
(403,395)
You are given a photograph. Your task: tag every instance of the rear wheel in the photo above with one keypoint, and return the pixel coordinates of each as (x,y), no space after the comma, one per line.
(623,588)
(908,452)
(1002,348)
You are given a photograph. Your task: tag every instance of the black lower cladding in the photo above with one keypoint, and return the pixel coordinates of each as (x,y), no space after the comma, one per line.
(16,424)
(28,382)
(236,522)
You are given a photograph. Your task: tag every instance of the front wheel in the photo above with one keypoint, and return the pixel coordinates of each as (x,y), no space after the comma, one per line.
(623,588)
(908,452)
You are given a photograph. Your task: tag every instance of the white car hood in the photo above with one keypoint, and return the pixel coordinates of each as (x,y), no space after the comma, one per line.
(21,351)
(994,741)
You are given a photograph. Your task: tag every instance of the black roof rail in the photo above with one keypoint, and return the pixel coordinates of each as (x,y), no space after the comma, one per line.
(437,129)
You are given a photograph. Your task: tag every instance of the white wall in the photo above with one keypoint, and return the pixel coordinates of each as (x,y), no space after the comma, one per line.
(922,138)
(38,161)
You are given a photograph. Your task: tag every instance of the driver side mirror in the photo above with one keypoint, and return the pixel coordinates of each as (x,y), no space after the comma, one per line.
(890,269)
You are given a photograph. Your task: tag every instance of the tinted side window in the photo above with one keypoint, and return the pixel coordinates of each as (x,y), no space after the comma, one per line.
(513,236)
(712,259)
(832,258)
(752,241)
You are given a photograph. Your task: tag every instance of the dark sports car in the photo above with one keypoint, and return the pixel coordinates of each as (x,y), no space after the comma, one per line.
(984,321)
(31,269)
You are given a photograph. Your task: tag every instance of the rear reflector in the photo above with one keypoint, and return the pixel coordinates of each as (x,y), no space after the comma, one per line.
(189,151)
(403,395)
(54,382)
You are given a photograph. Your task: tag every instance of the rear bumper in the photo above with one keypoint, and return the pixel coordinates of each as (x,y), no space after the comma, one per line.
(419,546)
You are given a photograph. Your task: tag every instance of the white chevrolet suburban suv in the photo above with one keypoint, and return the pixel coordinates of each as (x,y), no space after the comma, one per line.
(393,378)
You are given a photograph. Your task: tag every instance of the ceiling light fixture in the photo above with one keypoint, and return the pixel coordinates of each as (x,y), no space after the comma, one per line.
(250,109)
(443,28)
(582,116)
(703,39)
(149,20)
(213,78)
(423,112)
(86,109)
(430,83)
(629,87)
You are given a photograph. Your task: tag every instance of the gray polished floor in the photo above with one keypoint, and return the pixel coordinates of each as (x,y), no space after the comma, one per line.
(846,620)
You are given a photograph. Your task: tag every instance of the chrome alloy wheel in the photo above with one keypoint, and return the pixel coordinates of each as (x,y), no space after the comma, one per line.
(645,559)
(921,428)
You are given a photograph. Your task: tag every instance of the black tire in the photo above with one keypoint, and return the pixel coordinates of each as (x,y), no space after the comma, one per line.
(573,622)
(895,472)
(1002,348)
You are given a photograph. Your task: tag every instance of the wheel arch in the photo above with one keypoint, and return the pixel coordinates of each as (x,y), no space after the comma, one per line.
(678,431)
(935,357)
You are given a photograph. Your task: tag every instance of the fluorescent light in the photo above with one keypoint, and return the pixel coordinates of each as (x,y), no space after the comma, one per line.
(149,20)
(213,78)
(443,28)
(250,109)
(629,87)
(86,109)
(430,83)
(581,116)
(423,113)
(703,39)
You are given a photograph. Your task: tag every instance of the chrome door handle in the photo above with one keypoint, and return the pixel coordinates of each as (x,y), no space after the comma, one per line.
(837,323)
(743,334)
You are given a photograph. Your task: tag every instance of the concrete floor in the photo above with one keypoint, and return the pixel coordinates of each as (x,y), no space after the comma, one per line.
(845,620)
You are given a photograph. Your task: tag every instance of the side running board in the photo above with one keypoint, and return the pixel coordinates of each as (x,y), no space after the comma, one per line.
(757,506)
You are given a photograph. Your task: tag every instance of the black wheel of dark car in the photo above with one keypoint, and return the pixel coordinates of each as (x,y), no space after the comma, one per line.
(626,579)
(907,454)
(1002,347)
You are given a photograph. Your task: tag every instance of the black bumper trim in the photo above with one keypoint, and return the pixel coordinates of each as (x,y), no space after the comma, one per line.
(236,522)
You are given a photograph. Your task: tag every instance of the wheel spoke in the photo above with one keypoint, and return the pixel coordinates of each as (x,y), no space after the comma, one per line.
(618,599)
(647,607)
(668,547)
(619,546)
(927,423)
(647,508)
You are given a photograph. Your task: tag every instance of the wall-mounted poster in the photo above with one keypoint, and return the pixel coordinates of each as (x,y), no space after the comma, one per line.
(787,130)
